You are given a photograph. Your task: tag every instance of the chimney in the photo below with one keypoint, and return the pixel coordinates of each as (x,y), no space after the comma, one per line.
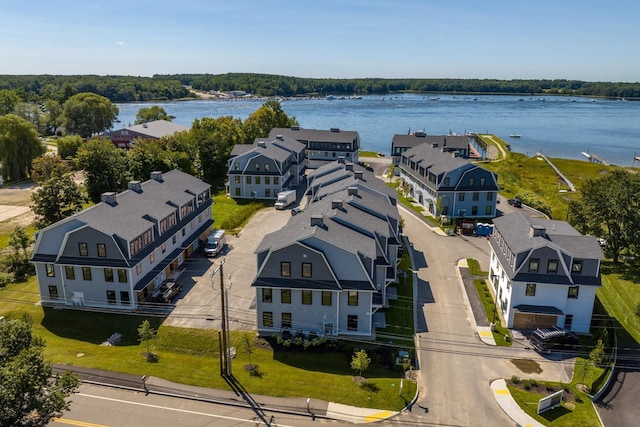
(336,204)
(157,175)
(135,186)
(279,137)
(262,144)
(352,191)
(349,166)
(341,159)
(109,198)
(335,130)
(295,127)
(537,230)
(317,219)
(357,174)
(444,144)
(435,145)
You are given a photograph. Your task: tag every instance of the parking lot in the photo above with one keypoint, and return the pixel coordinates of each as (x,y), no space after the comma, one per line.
(199,304)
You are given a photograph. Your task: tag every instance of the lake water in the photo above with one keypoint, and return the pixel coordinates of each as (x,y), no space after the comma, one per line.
(558,126)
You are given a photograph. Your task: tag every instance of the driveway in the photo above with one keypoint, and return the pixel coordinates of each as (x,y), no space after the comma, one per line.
(200,307)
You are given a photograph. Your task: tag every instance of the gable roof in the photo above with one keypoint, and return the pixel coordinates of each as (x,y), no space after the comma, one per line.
(454,142)
(436,160)
(155,129)
(317,135)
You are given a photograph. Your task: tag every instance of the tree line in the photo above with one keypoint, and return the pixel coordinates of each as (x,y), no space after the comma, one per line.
(277,85)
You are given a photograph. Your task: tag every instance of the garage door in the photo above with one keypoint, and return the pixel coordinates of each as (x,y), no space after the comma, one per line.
(525,321)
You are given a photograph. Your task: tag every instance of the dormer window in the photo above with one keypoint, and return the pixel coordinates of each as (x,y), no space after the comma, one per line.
(577,267)
(237,166)
(472,182)
(534,263)
(266,167)
(257,167)
(82,249)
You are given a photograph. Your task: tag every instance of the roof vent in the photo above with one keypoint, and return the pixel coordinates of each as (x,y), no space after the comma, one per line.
(348,166)
(280,137)
(135,186)
(538,230)
(295,127)
(352,191)
(341,159)
(157,176)
(262,144)
(109,198)
(420,133)
(336,204)
(144,125)
(357,174)
(335,129)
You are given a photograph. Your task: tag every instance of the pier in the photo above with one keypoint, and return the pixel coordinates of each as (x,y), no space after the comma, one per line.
(572,187)
(594,158)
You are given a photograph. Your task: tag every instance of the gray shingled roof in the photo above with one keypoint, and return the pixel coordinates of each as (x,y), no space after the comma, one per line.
(413,140)
(515,230)
(157,128)
(435,159)
(317,135)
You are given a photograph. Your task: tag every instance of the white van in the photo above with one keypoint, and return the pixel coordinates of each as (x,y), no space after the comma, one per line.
(215,243)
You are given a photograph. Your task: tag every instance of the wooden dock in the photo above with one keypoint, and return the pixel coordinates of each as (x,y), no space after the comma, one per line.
(594,158)
(572,187)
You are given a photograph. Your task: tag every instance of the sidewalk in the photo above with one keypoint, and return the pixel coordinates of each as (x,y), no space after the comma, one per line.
(313,408)
(510,407)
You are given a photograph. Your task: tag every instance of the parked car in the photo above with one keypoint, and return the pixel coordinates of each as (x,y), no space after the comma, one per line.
(545,340)
(516,203)
(295,211)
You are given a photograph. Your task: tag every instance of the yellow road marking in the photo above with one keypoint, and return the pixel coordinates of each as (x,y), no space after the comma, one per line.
(485,333)
(378,416)
(502,391)
(76,423)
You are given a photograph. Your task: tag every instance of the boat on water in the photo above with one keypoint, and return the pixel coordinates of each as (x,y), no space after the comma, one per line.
(330,97)
(514,135)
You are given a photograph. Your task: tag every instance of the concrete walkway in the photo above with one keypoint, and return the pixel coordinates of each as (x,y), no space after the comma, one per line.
(510,407)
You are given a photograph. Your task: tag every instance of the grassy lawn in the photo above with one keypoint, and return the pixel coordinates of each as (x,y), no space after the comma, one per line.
(620,296)
(399,315)
(232,215)
(578,413)
(489,308)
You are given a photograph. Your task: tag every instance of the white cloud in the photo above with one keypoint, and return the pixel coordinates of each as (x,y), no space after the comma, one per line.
(119,43)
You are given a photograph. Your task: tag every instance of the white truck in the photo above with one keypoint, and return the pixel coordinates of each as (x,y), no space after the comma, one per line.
(285,198)
(215,243)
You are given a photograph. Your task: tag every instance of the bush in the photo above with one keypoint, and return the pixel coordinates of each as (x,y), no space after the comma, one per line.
(5,279)
(515,379)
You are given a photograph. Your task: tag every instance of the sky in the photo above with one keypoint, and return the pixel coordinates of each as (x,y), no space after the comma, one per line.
(515,39)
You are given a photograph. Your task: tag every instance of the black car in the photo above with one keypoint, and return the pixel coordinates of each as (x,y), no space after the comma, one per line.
(516,203)
(545,340)
(295,211)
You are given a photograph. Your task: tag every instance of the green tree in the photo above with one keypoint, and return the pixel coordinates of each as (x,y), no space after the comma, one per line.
(46,167)
(8,101)
(87,113)
(68,146)
(215,139)
(360,362)
(609,209)
(33,113)
(56,199)
(53,116)
(19,242)
(149,114)
(105,166)
(249,346)
(30,395)
(270,115)
(147,156)
(19,145)
(146,333)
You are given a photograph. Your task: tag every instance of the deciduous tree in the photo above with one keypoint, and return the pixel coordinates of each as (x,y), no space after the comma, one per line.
(46,167)
(147,333)
(106,167)
(19,145)
(215,139)
(360,362)
(56,199)
(87,113)
(29,395)
(270,115)
(149,114)
(68,146)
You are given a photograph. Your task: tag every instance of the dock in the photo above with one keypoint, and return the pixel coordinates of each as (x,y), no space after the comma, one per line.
(572,187)
(594,158)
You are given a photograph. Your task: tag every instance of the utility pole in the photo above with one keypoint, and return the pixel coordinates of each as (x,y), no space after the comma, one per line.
(225,363)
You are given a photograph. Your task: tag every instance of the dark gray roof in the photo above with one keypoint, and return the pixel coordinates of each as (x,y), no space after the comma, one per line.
(455,142)
(317,135)
(435,159)
(515,229)
(156,129)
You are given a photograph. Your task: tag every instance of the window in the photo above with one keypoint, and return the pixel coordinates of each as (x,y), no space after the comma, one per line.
(552,266)
(568,320)
(327,297)
(86,273)
(174,239)
(237,191)
(266,167)
(53,292)
(474,210)
(152,257)
(573,292)
(237,179)
(184,231)
(489,196)
(530,291)
(122,275)
(447,181)
(352,322)
(82,248)
(248,179)
(267,295)
(577,267)
(138,268)
(476,196)
(286,320)
(236,166)
(102,250)
(267,319)
(285,296)
(267,180)
(307,297)
(276,180)
(124,297)
(352,298)
(306,269)
(111,297)
(257,180)
(482,181)
(51,270)
(534,263)
(488,210)
(257,167)
(285,269)
(472,182)
(461,197)
(267,192)
(108,275)
(164,247)
(71,272)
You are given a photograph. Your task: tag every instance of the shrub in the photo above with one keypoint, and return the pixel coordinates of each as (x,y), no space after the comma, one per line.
(515,379)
